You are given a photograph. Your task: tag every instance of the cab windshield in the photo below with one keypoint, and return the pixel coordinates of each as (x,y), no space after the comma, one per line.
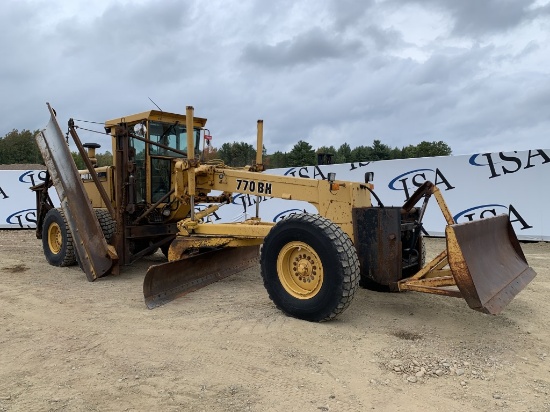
(172,135)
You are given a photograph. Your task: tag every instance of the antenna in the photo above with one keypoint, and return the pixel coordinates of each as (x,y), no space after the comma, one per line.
(155,104)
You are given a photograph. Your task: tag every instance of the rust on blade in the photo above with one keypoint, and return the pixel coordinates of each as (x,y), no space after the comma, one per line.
(168,281)
(487,263)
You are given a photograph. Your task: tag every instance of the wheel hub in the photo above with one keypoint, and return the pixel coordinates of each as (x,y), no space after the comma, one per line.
(55,238)
(300,270)
(304,268)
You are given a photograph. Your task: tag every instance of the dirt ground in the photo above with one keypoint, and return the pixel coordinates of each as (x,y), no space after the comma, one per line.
(70,345)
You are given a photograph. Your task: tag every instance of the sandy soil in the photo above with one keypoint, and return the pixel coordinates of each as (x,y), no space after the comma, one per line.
(66,344)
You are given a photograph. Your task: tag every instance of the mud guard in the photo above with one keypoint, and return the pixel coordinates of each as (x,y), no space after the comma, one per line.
(168,281)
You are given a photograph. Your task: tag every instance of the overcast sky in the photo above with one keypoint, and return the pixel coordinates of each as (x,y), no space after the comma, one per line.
(472,73)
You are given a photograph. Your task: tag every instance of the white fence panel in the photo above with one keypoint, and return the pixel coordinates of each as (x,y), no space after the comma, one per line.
(474,186)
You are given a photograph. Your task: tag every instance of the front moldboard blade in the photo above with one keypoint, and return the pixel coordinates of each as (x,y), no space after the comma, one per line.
(168,281)
(487,263)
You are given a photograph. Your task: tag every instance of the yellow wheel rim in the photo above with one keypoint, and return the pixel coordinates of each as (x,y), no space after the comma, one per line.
(55,239)
(300,270)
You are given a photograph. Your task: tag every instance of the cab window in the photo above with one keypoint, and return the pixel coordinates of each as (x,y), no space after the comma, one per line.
(172,135)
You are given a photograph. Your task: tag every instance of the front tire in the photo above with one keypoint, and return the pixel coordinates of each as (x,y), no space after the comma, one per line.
(310,267)
(57,240)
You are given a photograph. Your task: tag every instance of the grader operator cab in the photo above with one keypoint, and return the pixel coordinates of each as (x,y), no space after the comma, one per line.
(311,264)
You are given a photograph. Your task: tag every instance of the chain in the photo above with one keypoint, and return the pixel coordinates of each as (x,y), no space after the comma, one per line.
(87,121)
(89,130)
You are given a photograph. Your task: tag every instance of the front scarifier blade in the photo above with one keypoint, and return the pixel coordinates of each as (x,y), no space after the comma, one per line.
(487,263)
(168,281)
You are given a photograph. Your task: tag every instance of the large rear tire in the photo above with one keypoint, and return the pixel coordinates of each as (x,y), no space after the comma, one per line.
(310,267)
(57,240)
(106,222)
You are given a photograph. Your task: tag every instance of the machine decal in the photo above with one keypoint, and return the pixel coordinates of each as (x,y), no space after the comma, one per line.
(254,186)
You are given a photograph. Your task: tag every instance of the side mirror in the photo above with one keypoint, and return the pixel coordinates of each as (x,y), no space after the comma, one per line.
(369,177)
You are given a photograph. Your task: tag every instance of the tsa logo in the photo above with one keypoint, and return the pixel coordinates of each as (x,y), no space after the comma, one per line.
(33,177)
(314,172)
(286,213)
(508,163)
(23,218)
(246,199)
(474,159)
(480,212)
(490,210)
(413,179)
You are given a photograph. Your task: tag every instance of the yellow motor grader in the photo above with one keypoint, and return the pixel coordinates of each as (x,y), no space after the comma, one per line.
(311,264)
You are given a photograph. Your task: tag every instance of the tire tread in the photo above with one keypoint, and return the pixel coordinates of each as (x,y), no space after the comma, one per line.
(346,255)
(69,257)
(106,222)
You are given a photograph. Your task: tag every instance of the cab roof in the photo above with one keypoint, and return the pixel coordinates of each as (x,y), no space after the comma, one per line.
(156,115)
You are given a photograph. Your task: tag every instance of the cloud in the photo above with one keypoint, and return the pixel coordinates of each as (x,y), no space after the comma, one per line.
(311,47)
(470,73)
(474,18)
(350,13)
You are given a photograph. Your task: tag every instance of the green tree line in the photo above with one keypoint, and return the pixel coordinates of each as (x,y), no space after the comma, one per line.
(19,147)
(241,154)
(103,159)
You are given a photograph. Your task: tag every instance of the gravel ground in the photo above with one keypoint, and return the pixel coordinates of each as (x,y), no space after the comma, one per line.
(70,345)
